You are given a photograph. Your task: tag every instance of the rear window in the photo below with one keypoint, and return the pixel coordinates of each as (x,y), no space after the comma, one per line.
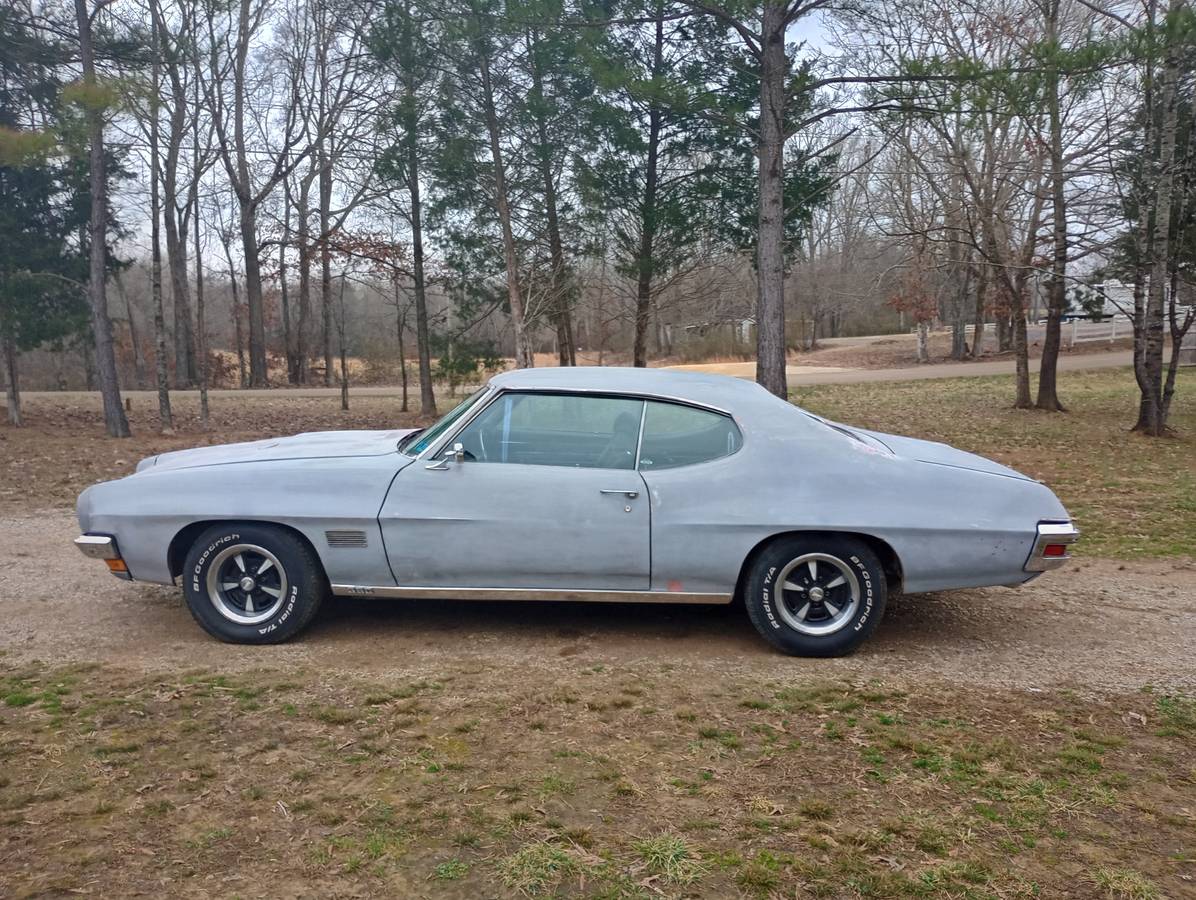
(676,435)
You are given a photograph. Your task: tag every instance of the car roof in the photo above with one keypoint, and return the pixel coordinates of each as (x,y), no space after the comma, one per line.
(719,391)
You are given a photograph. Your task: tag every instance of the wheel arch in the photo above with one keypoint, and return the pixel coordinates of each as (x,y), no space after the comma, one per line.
(889,560)
(181,543)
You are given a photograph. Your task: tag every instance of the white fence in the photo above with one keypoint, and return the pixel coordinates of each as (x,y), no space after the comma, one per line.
(1080,331)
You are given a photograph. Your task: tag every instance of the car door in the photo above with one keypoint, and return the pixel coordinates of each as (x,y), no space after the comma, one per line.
(544,494)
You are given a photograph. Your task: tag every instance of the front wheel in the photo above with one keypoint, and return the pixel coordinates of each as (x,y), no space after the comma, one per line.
(252,584)
(816,596)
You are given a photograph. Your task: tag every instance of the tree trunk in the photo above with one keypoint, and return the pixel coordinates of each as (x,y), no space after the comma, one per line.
(134,337)
(982,278)
(89,366)
(341,341)
(1179,330)
(258,376)
(427,398)
(288,333)
(648,213)
(238,331)
(770,247)
(1151,417)
(400,321)
(201,340)
(165,423)
(1048,396)
(285,298)
(247,206)
(325,193)
(566,354)
(1004,328)
(175,218)
(959,314)
(97,234)
(303,335)
(1021,355)
(176,257)
(524,358)
(923,341)
(12,383)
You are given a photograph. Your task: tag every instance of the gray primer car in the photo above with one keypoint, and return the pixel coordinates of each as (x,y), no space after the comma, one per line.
(600,484)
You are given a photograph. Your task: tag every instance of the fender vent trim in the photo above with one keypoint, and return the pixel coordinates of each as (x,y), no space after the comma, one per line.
(340,540)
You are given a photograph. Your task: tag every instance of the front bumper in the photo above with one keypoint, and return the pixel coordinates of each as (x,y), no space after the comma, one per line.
(103,546)
(1050,546)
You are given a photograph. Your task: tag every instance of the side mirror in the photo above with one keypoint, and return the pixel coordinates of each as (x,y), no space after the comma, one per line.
(456,455)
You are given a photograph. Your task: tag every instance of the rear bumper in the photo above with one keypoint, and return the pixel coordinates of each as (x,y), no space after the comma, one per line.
(103,546)
(1050,546)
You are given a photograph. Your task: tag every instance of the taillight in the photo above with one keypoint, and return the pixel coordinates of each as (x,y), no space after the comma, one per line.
(1054,550)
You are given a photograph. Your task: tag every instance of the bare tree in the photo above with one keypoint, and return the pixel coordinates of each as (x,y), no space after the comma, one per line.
(165,420)
(234,92)
(97,232)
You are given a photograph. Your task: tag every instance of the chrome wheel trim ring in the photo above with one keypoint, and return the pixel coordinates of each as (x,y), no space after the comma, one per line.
(792,601)
(219,588)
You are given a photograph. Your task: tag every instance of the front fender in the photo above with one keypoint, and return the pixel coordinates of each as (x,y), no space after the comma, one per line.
(147,510)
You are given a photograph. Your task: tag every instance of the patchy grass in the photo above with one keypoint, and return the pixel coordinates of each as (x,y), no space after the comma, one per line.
(1125,883)
(671,857)
(1132,496)
(535,868)
(920,790)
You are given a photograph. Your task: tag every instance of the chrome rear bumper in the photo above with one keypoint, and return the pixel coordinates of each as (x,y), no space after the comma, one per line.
(1057,536)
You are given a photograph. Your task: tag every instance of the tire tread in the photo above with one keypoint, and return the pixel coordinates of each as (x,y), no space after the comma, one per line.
(312,583)
(785,639)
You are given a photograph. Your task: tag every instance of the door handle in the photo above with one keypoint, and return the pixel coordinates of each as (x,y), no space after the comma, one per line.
(630,495)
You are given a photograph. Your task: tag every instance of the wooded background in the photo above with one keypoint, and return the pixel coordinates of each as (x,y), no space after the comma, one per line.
(228,193)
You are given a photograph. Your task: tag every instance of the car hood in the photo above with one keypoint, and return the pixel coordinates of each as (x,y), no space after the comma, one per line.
(312,445)
(932,452)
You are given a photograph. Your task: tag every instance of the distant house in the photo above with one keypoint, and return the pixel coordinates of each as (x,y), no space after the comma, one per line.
(1118,296)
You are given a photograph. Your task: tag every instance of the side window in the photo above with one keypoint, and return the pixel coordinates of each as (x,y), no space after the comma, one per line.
(556,430)
(426,438)
(676,435)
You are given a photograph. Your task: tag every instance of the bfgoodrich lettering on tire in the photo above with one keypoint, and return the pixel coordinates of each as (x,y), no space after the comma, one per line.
(252,584)
(821,595)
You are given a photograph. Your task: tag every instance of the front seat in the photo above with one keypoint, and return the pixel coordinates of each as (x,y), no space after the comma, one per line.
(619,453)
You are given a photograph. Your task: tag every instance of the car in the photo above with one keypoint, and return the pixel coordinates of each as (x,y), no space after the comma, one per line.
(590,484)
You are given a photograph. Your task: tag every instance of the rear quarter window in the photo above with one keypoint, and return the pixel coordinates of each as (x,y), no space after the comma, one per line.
(677,435)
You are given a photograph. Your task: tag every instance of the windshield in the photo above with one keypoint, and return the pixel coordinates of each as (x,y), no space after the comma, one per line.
(429,436)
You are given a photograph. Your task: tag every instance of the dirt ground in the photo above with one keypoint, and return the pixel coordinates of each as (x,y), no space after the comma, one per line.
(984,744)
(900,351)
(991,743)
(1100,625)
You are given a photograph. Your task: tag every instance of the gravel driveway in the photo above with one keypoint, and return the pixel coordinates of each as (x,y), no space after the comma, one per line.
(1099,625)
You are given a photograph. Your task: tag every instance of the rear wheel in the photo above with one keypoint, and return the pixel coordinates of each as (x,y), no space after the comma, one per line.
(252,584)
(816,596)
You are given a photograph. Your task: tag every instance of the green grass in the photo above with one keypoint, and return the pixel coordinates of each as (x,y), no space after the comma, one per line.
(925,790)
(1132,496)
(450,870)
(1125,883)
(535,868)
(671,857)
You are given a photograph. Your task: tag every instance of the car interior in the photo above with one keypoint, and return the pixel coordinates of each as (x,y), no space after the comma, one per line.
(596,432)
